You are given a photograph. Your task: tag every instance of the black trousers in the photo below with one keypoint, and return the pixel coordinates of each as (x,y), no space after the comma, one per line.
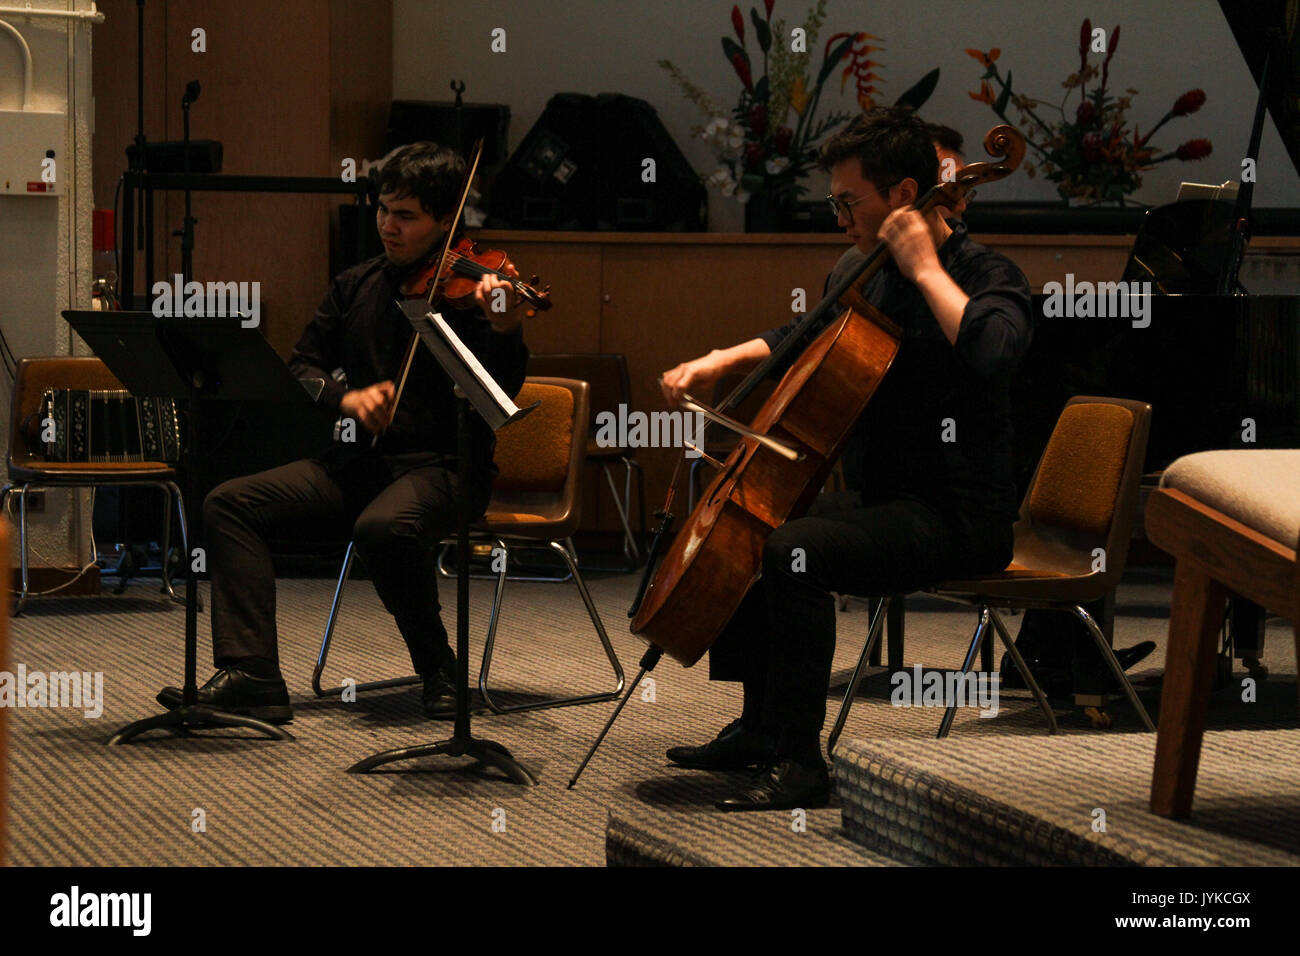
(395,510)
(781,641)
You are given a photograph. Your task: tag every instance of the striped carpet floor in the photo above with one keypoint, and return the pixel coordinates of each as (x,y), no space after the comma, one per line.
(75,801)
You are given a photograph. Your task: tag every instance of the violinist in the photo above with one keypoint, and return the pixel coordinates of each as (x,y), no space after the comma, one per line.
(397,500)
(928,464)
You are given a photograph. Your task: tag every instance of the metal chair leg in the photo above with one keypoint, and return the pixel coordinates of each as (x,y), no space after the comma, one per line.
(621,506)
(22,550)
(859,671)
(475,576)
(1019,661)
(565,550)
(329,636)
(980,632)
(1109,654)
(175,497)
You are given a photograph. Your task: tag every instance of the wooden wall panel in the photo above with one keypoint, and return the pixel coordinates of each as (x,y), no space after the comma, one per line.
(288,89)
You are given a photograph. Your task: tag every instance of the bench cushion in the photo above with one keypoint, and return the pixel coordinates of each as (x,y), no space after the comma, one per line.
(1258,487)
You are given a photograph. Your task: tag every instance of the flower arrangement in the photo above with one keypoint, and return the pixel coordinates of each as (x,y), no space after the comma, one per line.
(1090,153)
(758,150)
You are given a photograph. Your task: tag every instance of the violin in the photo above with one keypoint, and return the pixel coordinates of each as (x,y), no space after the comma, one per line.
(465,266)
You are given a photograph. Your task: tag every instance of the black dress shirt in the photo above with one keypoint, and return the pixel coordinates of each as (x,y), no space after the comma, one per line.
(360,329)
(898,445)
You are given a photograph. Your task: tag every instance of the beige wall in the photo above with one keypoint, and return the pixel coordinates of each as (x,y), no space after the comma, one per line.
(594,46)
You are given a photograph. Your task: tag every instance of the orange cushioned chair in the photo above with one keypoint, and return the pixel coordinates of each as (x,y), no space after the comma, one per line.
(1071,541)
(30,471)
(535,501)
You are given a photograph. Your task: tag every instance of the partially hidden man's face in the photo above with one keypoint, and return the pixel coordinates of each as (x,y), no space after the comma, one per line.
(409,233)
(871,202)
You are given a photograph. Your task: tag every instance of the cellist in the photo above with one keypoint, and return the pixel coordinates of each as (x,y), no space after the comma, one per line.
(929,463)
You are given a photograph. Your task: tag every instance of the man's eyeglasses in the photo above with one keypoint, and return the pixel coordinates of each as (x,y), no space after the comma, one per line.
(844,206)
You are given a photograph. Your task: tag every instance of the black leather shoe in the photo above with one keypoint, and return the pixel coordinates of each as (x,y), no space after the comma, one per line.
(238,692)
(439,695)
(735,748)
(783,786)
(1060,683)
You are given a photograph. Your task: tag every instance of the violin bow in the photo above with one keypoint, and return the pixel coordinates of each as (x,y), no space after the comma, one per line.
(409,359)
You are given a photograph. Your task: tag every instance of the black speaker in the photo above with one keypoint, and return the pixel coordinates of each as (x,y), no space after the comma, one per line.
(629,135)
(549,181)
(412,121)
(582,166)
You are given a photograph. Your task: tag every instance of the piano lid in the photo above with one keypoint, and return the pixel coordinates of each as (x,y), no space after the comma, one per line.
(1251,22)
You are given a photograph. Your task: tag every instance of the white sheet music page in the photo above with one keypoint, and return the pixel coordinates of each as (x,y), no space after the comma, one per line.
(471,360)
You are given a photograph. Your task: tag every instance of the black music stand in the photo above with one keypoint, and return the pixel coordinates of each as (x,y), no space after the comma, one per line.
(473,386)
(192,360)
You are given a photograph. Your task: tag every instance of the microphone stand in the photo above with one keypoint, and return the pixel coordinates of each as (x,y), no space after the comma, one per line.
(186,232)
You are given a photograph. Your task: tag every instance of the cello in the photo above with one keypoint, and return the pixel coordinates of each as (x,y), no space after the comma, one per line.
(783,458)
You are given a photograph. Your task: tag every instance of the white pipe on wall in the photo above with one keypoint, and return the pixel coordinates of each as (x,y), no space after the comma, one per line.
(93,15)
(27,63)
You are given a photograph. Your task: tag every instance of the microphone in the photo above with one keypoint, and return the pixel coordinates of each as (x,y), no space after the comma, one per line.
(191,94)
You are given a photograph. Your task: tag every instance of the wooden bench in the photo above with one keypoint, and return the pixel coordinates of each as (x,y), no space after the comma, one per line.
(1231,519)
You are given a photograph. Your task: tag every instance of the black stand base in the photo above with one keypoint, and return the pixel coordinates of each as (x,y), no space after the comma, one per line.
(186,718)
(462,743)
(486,752)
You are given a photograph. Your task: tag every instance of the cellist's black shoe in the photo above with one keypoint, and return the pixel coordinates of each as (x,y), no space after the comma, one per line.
(735,748)
(785,785)
(236,691)
(438,698)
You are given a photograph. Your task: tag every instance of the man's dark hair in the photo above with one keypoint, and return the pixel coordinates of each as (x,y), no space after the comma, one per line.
(945,136)
(891,142)
(423,170)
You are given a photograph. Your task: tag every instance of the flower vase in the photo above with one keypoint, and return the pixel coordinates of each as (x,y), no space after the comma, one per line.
(765,212)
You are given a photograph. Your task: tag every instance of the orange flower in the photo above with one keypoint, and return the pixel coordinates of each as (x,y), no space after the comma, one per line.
(985,58)
(985,95)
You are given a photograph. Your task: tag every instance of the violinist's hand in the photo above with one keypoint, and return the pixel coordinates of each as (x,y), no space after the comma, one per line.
(697,376)
(372,406)
(486,296)
(910,242)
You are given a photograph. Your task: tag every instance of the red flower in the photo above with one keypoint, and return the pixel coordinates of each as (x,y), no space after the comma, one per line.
(1085,34)
(758,119)
(985,58)
(742,71)
(782,140)
(985,95)
(1086,113)
(1092,148)
(1194,149)
(1189,102)
(769,4)
(753,154)
(738,22)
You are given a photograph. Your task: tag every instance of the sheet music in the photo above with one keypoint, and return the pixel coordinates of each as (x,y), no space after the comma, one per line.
(482,390)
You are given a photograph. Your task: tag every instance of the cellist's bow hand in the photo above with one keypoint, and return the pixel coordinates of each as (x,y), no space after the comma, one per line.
(910,241)
(697,376)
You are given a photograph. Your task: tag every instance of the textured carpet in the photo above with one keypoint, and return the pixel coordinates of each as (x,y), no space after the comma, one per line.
(75,801)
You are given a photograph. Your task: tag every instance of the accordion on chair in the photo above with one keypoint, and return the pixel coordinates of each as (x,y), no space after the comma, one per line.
(109,425)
